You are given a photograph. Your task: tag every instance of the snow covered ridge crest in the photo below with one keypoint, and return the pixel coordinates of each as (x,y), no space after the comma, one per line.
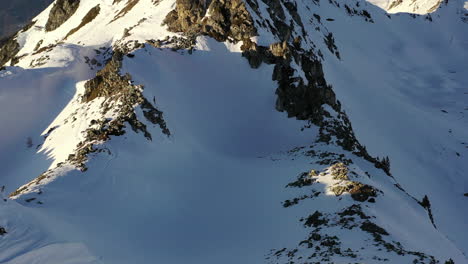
(302,97)
(344,197)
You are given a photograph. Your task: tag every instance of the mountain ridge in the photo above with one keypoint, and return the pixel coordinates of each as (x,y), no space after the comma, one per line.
(342,196)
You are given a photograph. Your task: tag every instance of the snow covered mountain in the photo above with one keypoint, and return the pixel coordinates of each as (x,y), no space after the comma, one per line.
(417,7)
(241,131)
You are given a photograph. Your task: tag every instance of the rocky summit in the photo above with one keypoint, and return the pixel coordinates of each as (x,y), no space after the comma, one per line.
(235,132)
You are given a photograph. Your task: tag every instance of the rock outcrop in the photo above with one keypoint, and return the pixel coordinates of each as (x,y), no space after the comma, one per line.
(8,50)
(9,47)
(219,19)
(301,97)
(61,12)
(121,96)
(108,81)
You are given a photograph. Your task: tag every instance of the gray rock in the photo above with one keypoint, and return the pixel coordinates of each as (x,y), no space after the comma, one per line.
(8,50)
(61,12)
(228,19)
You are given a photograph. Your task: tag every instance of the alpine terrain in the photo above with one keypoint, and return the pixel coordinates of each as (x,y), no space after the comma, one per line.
(236,132)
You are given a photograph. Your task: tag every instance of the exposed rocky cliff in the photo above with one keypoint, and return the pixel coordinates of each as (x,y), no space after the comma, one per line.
(9,47)
(219,19)
(61,12)
(230,113)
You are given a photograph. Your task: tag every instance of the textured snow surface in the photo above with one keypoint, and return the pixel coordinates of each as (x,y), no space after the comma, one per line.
(408,6)
(212,191)
(407,99)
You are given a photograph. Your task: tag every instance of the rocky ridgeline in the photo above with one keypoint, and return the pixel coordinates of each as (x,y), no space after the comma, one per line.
(120,95)
(227,21)
(61,11)
(302,97)
(10,47)
(230,21)
(355,218)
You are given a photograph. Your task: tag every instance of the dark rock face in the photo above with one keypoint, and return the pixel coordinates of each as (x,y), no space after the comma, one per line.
(373,228)
(426,204)
(230,20)
(298,99)
(61,12)
(301,98)
(114,87)
(108,81)
(8,50)
(315,220)
(9,47)
(362,192)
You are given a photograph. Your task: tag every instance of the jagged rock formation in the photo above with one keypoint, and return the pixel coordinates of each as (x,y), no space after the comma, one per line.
(302,98)
(252,96)
(61,12)
(117,91)
(9,48)
(233,22)
(219,19)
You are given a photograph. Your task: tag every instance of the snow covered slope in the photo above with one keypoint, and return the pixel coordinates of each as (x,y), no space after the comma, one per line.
(256,131)
(408,6)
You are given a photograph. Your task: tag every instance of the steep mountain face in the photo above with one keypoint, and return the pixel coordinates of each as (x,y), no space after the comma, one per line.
(256,131)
